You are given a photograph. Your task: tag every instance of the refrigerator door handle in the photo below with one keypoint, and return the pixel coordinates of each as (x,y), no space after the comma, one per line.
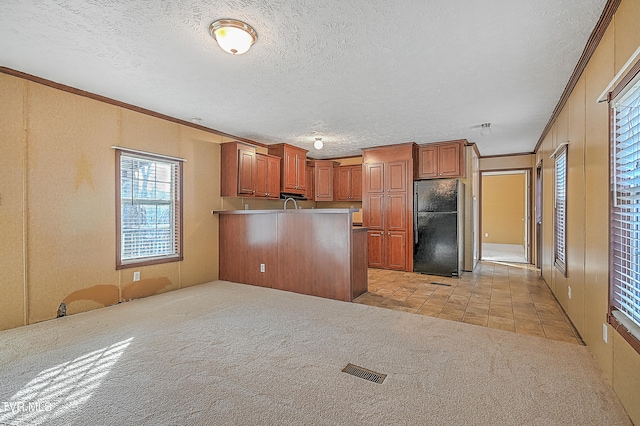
(415,228)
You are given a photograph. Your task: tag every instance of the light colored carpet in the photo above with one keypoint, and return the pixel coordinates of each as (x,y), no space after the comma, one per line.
(224,353)
(503,253)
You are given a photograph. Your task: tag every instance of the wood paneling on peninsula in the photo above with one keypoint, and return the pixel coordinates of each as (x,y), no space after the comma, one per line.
(312,251)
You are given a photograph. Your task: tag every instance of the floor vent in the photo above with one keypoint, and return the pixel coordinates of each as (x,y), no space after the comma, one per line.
(363,373)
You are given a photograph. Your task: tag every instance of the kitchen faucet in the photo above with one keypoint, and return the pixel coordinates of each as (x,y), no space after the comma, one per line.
(295,205)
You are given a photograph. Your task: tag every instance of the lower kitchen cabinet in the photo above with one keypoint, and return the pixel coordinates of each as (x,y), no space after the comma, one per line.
(376,249)
(396,250)
(387,250)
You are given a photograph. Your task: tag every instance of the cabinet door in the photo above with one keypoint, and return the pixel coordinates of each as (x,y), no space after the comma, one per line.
(301,171)
(323,182)
(261,175)
(342,183)
(246,164)
(273,177)
(290,171)
(356,183)
(375,248)
(396,176)
(396,212)
(374,179)
(427,162)
(449,160)
(374,211)
(309,183)
(396,250)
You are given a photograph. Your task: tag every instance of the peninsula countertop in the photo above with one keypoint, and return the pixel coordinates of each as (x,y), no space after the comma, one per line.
(296,211)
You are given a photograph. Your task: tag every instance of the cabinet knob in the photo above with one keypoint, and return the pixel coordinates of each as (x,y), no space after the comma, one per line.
(388,233)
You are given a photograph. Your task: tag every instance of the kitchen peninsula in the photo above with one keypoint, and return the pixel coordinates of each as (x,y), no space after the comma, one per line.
(310,251)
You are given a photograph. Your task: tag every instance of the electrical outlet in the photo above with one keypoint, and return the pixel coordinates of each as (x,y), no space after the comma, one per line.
(569,291)
(486,234)
(246,206)
(136,276)
(262,268)
(605,333)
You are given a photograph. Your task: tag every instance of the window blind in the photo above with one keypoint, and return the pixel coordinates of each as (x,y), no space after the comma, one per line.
(560,207)
(625,219)
(149,208)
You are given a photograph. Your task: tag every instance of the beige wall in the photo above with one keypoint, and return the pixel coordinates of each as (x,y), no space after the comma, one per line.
(584,123)
(508,162)
(503,208)
(57,202)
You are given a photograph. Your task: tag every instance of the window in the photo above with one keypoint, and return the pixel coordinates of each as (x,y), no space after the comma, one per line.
(625,212)
(560,208)
(148,208)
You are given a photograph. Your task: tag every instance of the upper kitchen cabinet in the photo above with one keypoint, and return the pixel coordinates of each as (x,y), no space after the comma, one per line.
(440,160)
(237,174)
(308,193)
(246,173)
(323,172)
(348,183)
(292,167)
(267,176)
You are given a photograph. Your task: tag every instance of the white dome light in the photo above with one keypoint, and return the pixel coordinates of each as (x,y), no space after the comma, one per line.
(233,36)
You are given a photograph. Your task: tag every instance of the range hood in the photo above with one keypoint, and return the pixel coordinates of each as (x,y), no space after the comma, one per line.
(299,197)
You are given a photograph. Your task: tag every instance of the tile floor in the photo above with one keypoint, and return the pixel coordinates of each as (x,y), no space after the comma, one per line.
(511,297)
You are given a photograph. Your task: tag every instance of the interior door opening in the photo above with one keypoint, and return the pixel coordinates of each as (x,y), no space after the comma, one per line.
(505,233)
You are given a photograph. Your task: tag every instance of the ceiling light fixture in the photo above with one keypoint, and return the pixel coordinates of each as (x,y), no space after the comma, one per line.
(318,143)
(233,36)
(485,129)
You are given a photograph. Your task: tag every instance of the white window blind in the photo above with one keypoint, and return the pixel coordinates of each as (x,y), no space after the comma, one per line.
(560,208)
(625,218)
(150,216)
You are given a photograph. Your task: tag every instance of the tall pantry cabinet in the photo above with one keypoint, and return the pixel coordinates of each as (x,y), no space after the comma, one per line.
(387,205)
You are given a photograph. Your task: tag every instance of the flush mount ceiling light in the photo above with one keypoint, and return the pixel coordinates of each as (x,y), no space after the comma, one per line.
(233,36)
(485,129)
(318,143)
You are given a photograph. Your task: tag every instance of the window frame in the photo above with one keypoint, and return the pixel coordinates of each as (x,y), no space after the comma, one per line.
(560,239)
(626,327)
(177,204)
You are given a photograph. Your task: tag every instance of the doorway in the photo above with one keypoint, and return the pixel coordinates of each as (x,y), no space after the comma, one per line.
(505,216)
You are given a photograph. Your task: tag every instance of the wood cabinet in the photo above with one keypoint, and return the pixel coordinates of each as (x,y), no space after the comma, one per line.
(440,160)
(246,173)
(308,193)
(348,183)
(323,171)
(387,206)
(292,167)
(237,169)
(267,176)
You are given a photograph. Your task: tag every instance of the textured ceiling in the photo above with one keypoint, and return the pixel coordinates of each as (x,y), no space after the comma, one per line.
(357,73)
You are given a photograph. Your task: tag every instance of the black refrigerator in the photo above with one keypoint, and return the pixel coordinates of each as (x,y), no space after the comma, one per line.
(438,220)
